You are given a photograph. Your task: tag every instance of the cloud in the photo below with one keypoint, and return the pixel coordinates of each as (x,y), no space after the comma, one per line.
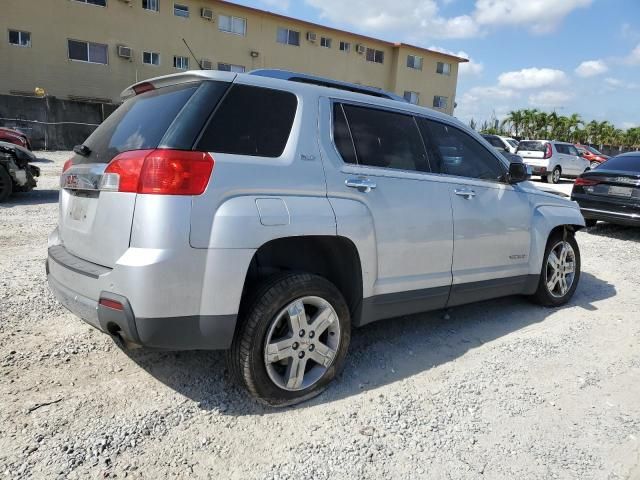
(532,78)
(616,83)
(539,16)
(550,98)
(591,68)
(423,19)
(634,57)
(420,16)
(470,68)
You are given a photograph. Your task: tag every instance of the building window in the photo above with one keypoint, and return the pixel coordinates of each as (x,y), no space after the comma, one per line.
(235,25)
(87,52)
(345,47)
(151,58)
(227,67)
(153,5)
(443,68)
(181,63)
(440,102)
(374,55)
(100,3)
(412,97)
(414,62)
(290,37)
(180,10)
(21,39)
(325,42)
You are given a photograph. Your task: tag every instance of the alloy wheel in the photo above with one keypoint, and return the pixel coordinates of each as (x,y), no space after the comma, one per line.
(560,269)
(302,343)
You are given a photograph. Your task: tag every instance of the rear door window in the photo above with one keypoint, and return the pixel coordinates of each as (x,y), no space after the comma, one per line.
(386,139)
(459,153)
(251,121)
(342,136)
(138,124)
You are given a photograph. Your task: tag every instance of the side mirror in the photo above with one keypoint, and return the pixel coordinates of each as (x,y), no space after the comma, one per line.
(518,172)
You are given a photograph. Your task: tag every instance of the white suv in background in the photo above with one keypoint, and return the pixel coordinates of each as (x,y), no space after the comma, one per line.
(508,144)
(552,160)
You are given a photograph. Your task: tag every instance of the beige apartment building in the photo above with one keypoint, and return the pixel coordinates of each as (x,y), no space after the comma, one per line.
(93,49)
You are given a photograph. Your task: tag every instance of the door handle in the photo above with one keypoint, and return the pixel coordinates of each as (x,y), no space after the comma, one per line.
(363,184)
(468,194)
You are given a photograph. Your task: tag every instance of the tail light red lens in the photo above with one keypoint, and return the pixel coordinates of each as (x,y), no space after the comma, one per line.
(105,302)
(143,87)
(162,172)
(547,151)
(585,182)
(67,165)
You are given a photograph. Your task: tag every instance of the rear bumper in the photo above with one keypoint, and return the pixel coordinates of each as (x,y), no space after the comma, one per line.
(632,219)
(608,211)
(191,323)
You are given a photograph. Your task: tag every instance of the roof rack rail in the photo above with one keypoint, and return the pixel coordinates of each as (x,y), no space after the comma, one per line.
(326,82)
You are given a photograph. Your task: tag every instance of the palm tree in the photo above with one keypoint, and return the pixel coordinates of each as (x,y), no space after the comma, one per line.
(514,119)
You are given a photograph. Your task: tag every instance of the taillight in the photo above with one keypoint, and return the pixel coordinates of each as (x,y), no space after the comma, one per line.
(67,165)
(585,182)
(143,87)
(159,172)
(547,151)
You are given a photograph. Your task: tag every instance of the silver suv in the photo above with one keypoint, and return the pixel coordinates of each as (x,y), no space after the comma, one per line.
(269,217)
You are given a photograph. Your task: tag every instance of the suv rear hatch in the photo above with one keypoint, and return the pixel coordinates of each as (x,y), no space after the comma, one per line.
(531,149)
(96,206)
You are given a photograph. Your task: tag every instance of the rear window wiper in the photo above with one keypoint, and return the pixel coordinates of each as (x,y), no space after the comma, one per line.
(82,150)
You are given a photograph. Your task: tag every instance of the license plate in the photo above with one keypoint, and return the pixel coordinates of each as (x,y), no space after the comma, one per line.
(78,209)
(620,191)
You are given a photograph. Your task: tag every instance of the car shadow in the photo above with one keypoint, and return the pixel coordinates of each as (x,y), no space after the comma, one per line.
(34,197)
(42,160)
(380,353)
(619,232)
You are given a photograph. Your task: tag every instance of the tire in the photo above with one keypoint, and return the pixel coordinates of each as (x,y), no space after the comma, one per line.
(556,296)
(268,374)
(593,165)
(6,184)
(590,222)
(555,175)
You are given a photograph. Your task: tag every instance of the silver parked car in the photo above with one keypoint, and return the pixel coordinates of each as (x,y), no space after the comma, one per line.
(269,217)
(552,160)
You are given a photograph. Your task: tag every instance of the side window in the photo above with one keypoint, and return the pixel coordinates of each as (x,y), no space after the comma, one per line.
(561,148)
(386,139)
(573,150)
(251,121)
(341,135)
(459,153)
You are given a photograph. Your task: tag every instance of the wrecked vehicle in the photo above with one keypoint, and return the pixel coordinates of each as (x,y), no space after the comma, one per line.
(16,174)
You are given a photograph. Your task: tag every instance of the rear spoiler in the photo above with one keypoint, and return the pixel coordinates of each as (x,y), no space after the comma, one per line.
(176,79)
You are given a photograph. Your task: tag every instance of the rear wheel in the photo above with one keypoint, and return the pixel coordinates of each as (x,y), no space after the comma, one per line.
(554,177)
(560,271)
(293,340)
(6,185)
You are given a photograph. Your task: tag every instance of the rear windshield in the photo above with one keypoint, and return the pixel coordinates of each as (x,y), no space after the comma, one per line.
(531,146)
(139,123)
(630,163)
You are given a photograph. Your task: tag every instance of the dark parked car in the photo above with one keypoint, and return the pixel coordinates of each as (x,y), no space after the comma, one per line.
(16,137)
(611,192)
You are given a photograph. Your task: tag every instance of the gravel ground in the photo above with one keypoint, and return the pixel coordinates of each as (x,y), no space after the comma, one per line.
(501,390)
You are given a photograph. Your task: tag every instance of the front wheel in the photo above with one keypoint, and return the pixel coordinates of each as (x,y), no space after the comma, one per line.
(293,339)
(560,271)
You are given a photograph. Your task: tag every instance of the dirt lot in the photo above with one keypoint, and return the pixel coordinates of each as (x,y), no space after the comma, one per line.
(499,390)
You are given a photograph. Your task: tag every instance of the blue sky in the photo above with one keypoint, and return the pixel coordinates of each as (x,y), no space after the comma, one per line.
(570,56)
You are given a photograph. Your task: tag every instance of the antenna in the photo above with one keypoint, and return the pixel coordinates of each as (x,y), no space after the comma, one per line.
(191,52)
